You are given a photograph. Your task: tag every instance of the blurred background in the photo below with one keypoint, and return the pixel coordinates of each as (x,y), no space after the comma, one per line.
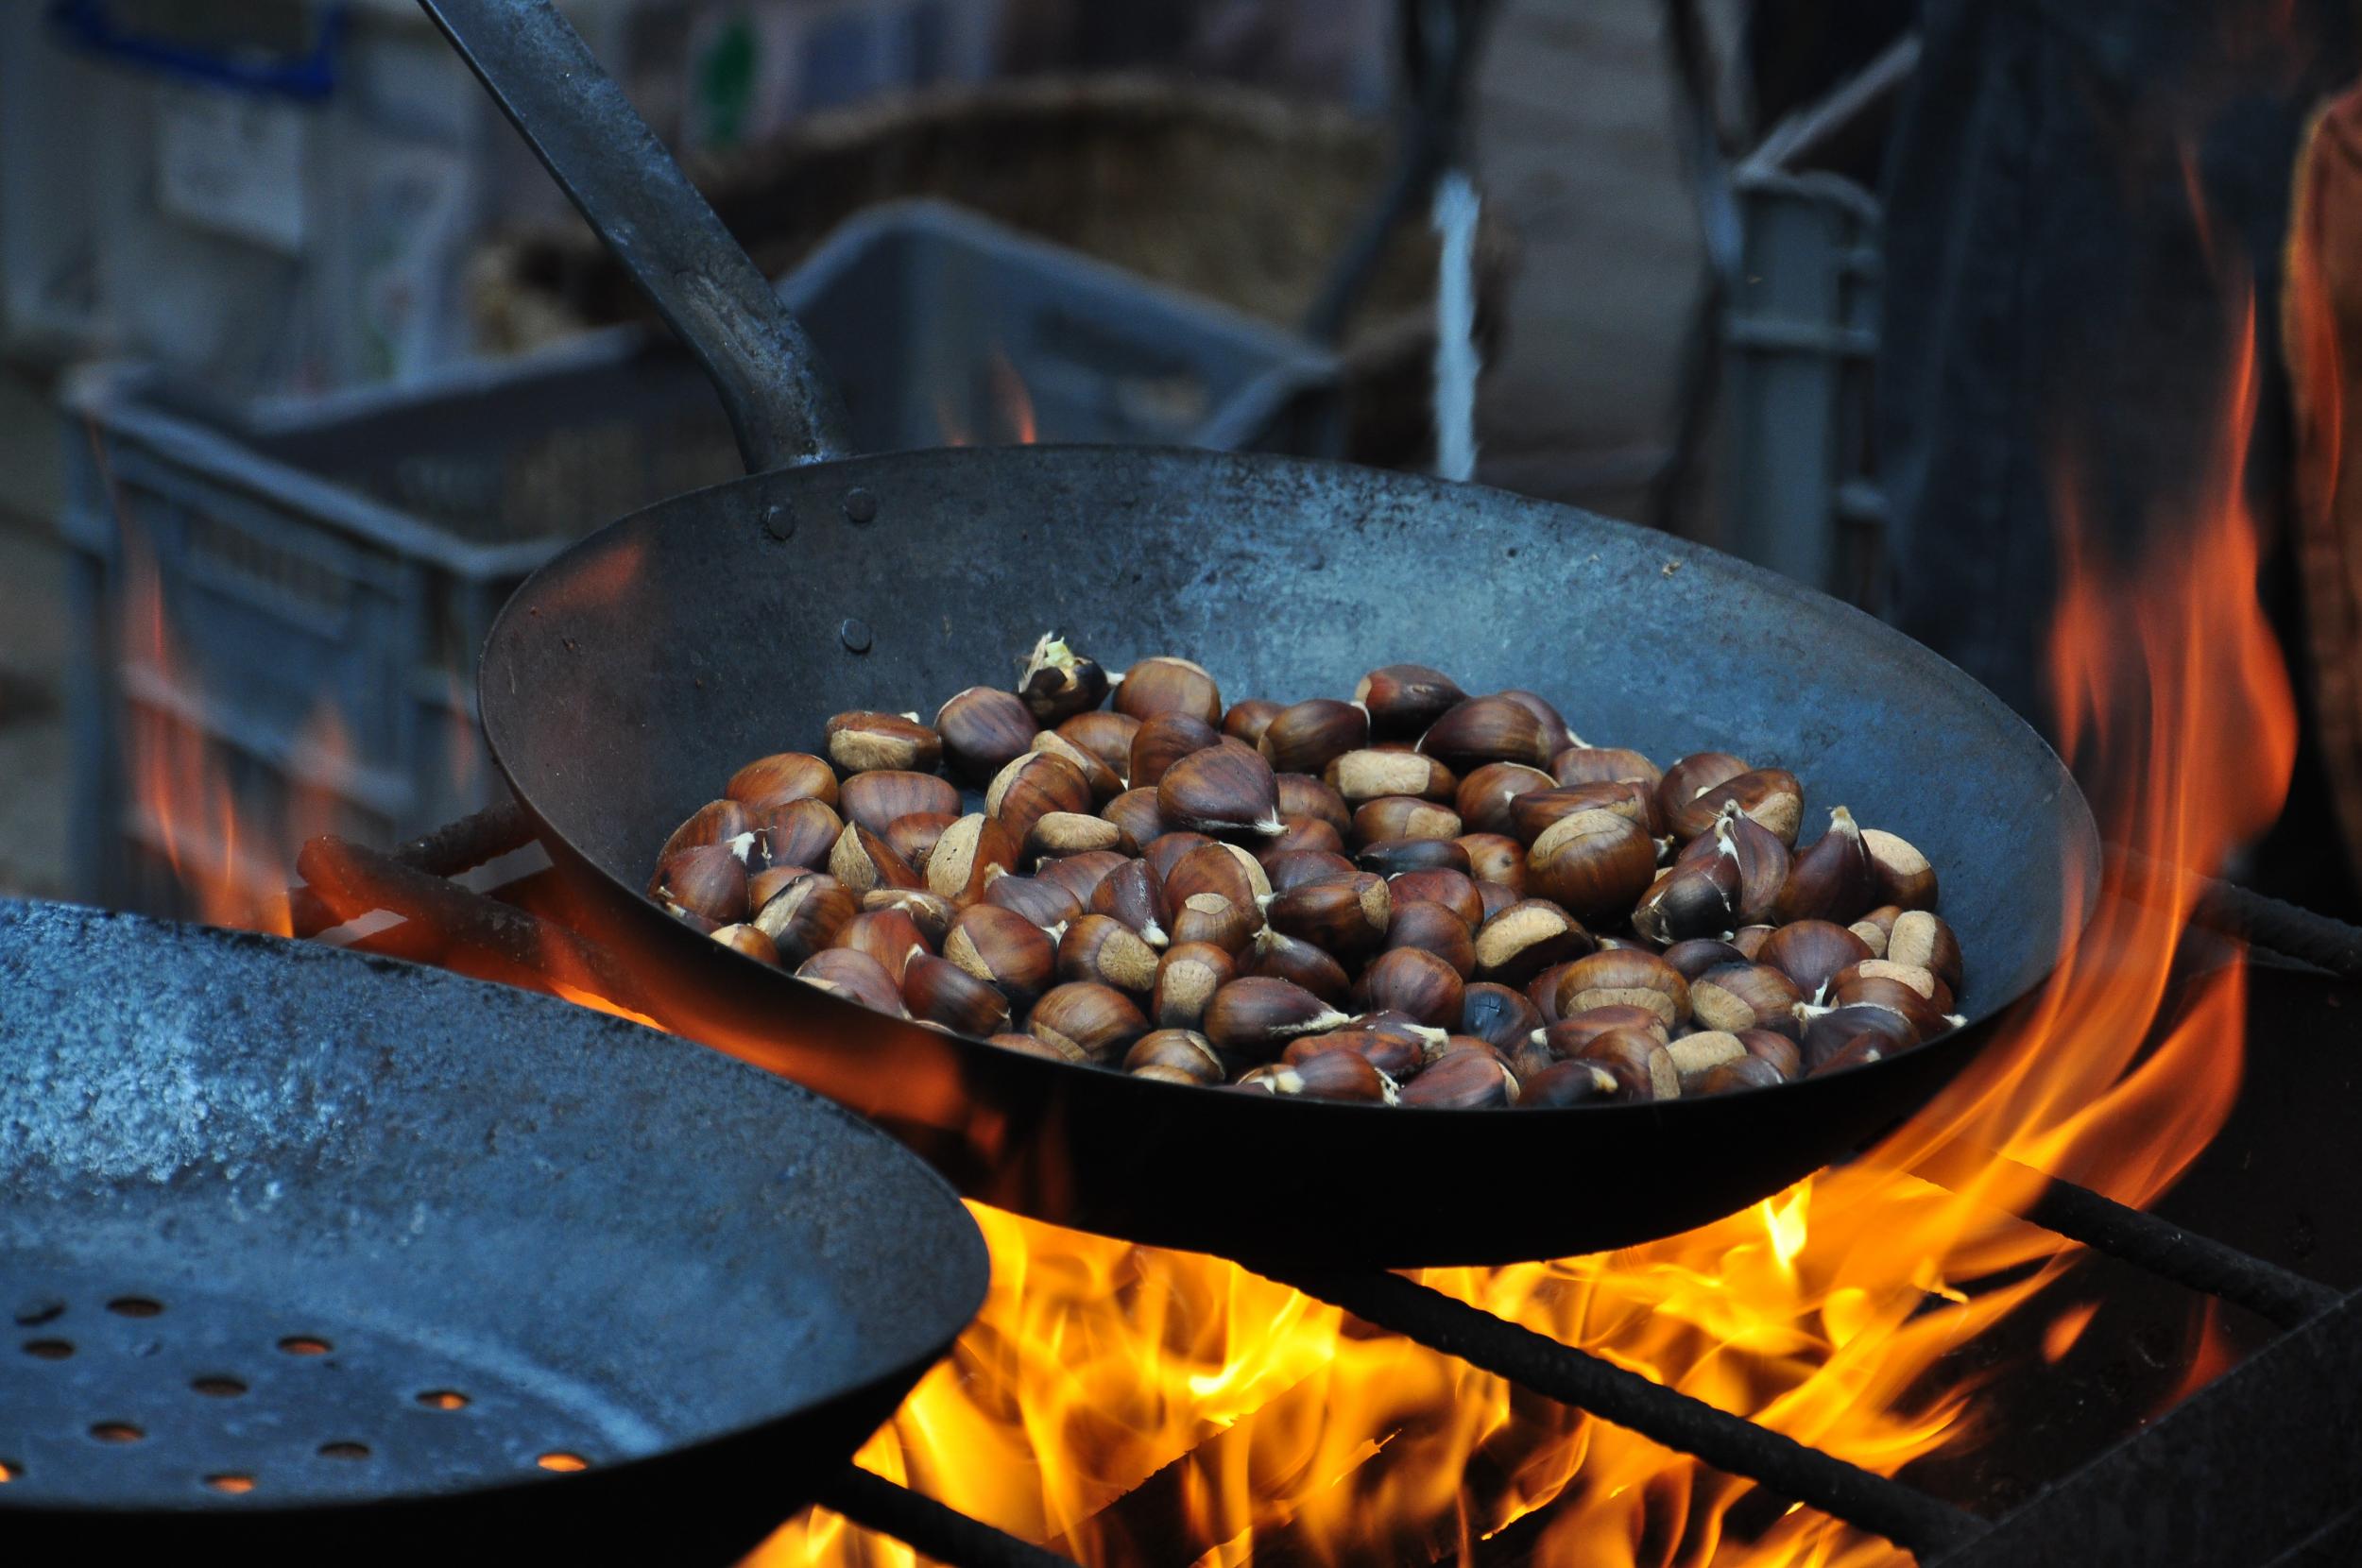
(304,364)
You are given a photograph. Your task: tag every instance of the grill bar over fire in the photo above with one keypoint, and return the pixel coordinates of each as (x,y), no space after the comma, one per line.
(2317,1362)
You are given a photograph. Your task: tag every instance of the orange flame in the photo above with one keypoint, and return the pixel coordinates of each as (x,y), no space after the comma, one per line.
(1010,398)
(1256,1416)
(1244,1416)
(1009,407)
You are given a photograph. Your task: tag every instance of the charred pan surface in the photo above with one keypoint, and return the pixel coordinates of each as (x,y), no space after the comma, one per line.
(642,665)
(610,1243)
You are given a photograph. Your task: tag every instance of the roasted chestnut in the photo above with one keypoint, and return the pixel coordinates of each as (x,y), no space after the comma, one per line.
(1745,996)
(1624,977)
(865,741)
(1485,795)
(1402,817)
(1527,938)
(1412,981)
(1223,789)
(1181,1050)
(1047,903)
(1106,736)
(1347,917)
(1161,741)
(857,978)
(1136,812)
(1031,785)
(877,797)
(1254,1016)
(747,940)
(1187,978)
(1830,879)
(770,782)
(1248,718)
(1903,875)
(1227,923)
(708,880)
(1811,951)
(939,991)
(1163,685)
(805,917)
(1100,947)
(1438,885)
(716,822)
(1305,736)
(1640,1064)
(889,936)
(1592,865)
(970,854)
(1003,947)
(1130,893)
(1496,858)
(1604,765)
(1303,796)
(1491,729)
(1058,683)
(1403,699)
(1096,1019)
(983,731)
(1275,955)
(1770,796)
(1699,954)
(1328,1075)
(1497,1014)
(1465,1077)
(1924,941)
(1359,776)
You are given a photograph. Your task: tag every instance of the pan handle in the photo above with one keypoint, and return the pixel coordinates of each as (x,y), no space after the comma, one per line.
(781,400)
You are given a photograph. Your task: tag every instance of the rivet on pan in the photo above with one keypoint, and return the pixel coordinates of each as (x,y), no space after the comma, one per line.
(38,1309)
(778,521)
(855,635)
(859,506)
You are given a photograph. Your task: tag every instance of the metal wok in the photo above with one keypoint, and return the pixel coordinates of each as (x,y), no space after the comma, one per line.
(634,673)
(310,1256)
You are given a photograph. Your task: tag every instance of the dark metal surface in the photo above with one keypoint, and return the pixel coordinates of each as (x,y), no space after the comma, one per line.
(633,674)
(1731,1443)
(340,1185)
(779,397)
(2247,1469)
(630,677)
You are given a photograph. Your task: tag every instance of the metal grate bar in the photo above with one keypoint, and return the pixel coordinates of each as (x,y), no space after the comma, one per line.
(2250,917)
(1909,1517)
(2281,1296)
(928,1527)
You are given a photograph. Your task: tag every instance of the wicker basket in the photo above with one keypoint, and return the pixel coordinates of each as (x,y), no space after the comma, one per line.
(1234,194)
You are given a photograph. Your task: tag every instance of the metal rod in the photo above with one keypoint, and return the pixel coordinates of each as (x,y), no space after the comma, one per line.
(444,851)
(352,880)
(1903,1514)
(781,402)
(928,1527)
(463,845)
(2249,917)
(2281,1296)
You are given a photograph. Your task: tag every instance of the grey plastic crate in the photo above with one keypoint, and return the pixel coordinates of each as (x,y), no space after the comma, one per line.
(930,315)
(332,565)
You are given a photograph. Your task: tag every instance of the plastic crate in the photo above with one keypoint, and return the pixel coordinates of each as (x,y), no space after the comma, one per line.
(946,328)
(329,567)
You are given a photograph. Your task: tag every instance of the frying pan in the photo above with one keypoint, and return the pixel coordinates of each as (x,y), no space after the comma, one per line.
(377,1238)
(636,671)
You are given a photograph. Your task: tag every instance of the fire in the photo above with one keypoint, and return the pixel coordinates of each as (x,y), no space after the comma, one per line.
(1228,1413)
(1007,402)
(229,851)
(1257,1419)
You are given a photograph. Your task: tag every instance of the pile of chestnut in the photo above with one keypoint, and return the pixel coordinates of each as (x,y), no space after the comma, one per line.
(1417,898)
